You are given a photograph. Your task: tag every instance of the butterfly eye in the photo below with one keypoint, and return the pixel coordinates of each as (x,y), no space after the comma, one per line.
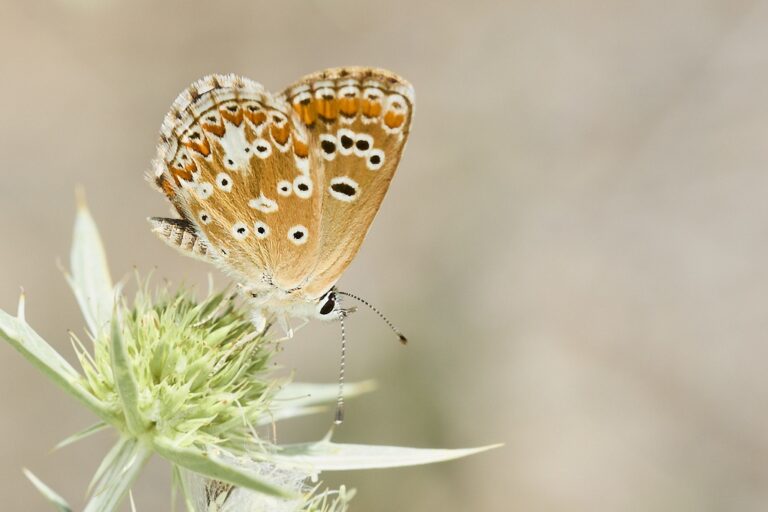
(260,230)
(363,144)
(329,305)
(284,188)
(375,159)
(239,231)
(298,234)
(302,186)
(224,181)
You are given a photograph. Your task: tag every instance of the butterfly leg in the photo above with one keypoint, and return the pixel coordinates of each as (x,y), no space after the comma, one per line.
(259,320)
(304,321)
(285,325)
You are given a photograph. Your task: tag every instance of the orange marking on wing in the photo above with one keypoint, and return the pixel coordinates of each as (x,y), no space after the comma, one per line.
(371,108)
(393,119)
(233,117)
(257,118)
(327,109)
(348,106)
(280,135)
(306,111)
(167,187)
(216,129)
(300,149)
(203,147)
(179,174)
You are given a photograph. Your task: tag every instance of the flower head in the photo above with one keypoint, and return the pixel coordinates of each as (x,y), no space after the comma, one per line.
(190,380)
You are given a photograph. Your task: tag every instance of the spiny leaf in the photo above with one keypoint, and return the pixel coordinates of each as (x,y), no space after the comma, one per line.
(329,456)
(49,494)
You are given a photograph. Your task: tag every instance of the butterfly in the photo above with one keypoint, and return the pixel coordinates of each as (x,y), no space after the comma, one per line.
(279,190)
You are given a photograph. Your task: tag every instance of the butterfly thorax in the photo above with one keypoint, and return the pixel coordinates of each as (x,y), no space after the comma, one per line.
(274,304)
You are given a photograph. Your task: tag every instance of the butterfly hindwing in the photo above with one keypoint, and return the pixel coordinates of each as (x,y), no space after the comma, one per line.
(358,121)
(235,163)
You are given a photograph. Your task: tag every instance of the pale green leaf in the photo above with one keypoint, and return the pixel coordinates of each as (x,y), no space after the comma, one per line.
(108,462)
(328,456)
(90,279)
(37,351)
(125,382)
(79,436)
(125,463)
(218,467)
(49,494)
(179,482)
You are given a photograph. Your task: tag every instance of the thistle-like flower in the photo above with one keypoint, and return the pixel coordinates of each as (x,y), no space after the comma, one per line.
(190,381)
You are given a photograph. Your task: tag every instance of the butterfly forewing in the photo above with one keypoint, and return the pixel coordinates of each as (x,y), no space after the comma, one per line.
(236,164)
(358,121)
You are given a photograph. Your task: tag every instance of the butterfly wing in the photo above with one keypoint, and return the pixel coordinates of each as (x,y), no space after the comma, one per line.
(359,120)
(235,164)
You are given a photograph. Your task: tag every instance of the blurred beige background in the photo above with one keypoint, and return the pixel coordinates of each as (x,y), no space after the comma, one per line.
(576,241)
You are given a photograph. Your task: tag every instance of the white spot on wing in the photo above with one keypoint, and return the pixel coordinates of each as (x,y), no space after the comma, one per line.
(349,91)
(260,230)
(363,144)
(262,148)
(277,118)
(345,135)
(344,189)
(302,187)
(239,231)
(328,146)
(224,181)
(284,188)
(302,164)
(263,204)
(233,145)
(298,234)
(204,190)
(302,97)
(325,93)
(397,104)
(375,159)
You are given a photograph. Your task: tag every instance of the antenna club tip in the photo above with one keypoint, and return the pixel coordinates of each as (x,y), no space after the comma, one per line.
(403,339)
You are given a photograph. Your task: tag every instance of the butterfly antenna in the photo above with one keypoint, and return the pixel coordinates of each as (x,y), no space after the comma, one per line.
(339,419)
(400,335)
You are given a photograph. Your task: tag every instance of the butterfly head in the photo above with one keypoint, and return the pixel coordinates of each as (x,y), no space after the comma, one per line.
(328,307)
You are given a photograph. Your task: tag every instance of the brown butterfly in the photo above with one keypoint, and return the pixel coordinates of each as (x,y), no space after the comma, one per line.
(279,191)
